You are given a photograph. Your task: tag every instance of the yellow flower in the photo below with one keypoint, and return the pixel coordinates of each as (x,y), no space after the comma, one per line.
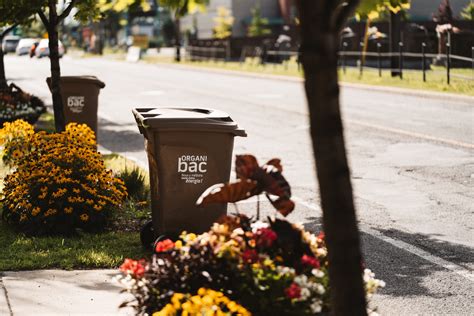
(84,217)
(50,212)
(68,210)
(16,154)
(232,306)
(35,211)
(207,300)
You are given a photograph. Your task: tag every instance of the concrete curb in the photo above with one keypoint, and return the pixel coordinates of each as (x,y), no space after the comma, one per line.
(409,92)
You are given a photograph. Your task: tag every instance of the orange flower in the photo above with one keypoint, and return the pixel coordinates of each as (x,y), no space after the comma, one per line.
(164,246)
(134,267)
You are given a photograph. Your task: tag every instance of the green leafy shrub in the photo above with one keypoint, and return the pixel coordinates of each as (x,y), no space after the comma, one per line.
(60,184)
(16,104)
(135,182)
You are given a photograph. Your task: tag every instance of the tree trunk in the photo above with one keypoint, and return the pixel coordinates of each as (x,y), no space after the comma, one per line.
(319,59)
(59,120)
(3,77)
(394,35)
(177,26)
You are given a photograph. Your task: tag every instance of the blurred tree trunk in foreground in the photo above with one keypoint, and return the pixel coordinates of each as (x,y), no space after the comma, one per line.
(320,24)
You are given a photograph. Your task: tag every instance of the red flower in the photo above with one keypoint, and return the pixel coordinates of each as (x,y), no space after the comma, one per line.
(134,267)
(294,291)
(250,256)
(265,237)
(321,235)
(164,245)
(310,261)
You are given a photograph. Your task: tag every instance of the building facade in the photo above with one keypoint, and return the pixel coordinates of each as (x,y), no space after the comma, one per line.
(279,12)
(202,23)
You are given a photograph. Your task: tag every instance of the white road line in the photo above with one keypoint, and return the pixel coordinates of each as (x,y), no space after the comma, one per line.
(412,134)
(403,245)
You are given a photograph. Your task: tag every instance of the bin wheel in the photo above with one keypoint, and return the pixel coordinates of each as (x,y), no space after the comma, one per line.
(147,235)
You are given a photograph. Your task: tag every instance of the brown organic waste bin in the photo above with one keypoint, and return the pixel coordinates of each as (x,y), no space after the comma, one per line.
(188,151)
(80,96)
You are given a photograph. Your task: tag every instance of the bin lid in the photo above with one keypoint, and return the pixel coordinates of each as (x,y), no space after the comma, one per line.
(187,119)
(79,80)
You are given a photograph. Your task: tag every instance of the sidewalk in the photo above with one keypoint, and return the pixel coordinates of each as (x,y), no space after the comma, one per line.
(58,292)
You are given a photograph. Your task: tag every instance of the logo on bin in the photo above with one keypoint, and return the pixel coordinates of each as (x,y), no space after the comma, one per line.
(192,168)
(75,103)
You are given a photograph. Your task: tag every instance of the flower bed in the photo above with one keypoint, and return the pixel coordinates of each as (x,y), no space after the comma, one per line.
(268,268)
(16,104)
(60,182)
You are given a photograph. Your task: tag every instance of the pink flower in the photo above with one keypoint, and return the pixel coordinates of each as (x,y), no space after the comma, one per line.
(164,245)
(134,267)
(310,261)
(265,237)
(250,256)
(294,291)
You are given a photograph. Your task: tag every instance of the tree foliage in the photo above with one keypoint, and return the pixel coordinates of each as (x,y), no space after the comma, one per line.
(444,14)
(258,25)
(223,23)
(12,13)
(372,9)
(123,5)
(468,12)
(181,8)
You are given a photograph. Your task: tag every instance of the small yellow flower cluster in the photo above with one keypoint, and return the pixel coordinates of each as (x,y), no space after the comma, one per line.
(14,138)
(206,302)
(61,182)
(81,133)
(16,129)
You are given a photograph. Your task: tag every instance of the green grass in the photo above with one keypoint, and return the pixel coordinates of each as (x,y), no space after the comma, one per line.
(83,250)
(45,123)
(436,78)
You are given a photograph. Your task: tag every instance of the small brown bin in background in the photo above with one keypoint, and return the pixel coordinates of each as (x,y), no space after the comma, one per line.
(80,96)
(188,151)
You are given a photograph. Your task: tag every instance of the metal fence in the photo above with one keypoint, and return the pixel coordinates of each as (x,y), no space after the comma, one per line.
(424,60)
(347,58)
(199,53)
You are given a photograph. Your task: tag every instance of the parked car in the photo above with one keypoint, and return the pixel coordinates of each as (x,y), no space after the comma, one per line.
(10,43)
(43,49)
(24,46)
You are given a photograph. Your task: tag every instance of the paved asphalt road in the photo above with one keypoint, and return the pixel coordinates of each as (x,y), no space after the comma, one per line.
(411,159)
